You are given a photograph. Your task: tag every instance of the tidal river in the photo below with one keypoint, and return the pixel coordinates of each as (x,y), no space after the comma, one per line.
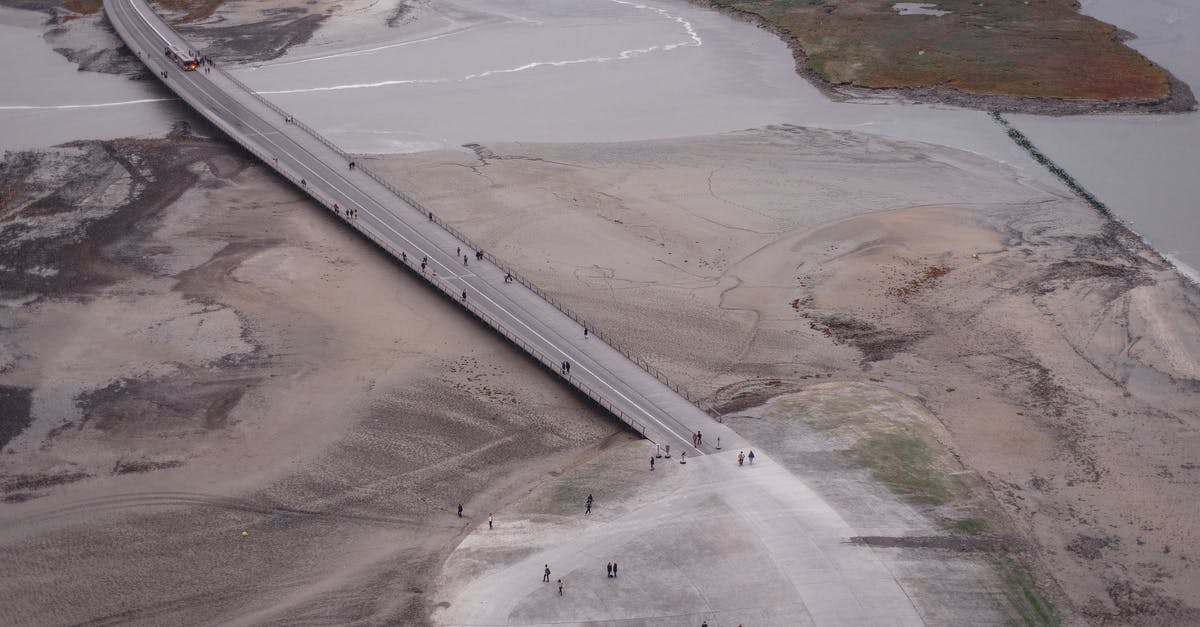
(46,100)
(614,70)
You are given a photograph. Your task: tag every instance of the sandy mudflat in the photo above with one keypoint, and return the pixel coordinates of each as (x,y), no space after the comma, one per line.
(1058,354)
(191,350)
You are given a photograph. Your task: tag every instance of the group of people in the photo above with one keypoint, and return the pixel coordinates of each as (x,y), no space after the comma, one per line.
(743,457)
(349,214)
(697,439)
(565,367)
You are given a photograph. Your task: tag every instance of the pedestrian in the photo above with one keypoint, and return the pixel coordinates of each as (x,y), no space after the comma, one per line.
(464,296)
(479,255)
(608,570)
(403,256)
(562,367)
(457,251)
(651,462)
(614,569)
(464,260)
(546,574)
(489,521)
(568,367)
(751,457)
(460,510)
(560,587)
(693,439)
(423,264)
(588,509)
(741,457)
(585,333)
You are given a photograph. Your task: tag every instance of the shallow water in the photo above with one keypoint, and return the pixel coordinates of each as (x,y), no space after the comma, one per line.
(583,71)
(1143,167)
(45,100)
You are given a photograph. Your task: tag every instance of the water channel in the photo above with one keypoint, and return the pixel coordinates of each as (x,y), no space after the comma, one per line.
(616,70)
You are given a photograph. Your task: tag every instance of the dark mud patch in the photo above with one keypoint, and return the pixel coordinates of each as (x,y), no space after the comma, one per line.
(123,467)
(943,543)
(1113,261)
(61,235)
(17,483)
(1137,605)
(258,41)
(875,344)
(188,402)
(15,404)
(1091,547)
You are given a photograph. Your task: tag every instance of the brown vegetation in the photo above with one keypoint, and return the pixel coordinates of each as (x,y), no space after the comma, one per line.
(1036,49)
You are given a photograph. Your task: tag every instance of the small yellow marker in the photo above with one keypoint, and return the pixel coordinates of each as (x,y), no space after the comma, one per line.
(974,255)
(245,534)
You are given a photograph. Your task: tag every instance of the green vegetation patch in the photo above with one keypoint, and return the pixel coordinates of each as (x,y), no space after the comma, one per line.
(970,526)
(1039,48)
(904,462)
(889,434)
(1027,601)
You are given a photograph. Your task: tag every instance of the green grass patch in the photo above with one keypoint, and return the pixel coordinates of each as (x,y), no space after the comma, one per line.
(970,526)
(1028,603)
(905,463)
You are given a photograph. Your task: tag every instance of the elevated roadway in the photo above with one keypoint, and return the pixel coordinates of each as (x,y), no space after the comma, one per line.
(626,386)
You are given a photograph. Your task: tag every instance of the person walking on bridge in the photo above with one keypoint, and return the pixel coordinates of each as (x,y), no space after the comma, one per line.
(546,574)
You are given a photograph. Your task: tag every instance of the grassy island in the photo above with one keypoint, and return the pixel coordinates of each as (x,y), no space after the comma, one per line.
(1007,48)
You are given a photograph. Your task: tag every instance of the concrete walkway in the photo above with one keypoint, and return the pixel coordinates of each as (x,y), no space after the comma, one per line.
(729,544)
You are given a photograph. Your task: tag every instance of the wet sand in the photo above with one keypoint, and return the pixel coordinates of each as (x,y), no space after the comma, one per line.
(206,353)
(191,350)
(1058,352)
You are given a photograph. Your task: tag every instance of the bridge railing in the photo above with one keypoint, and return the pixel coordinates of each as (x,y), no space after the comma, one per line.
(462,237)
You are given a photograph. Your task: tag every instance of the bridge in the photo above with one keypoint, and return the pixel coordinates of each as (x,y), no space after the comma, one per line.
(620,382)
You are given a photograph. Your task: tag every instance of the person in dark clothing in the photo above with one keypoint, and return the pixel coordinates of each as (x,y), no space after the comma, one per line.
(460,510)
(588,509)
(651,462)
(546,574)
(560,587)
(614,569)
(608,569)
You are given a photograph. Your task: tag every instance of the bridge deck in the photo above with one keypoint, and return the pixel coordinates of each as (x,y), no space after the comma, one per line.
(636,394)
